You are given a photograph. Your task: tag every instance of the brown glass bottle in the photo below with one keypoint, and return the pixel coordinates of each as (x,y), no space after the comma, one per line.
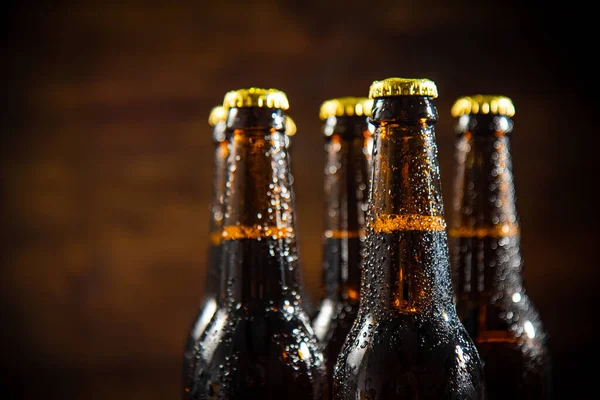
(407,341)
(486,257)
(309,306)
(259,343)
(217,119)
(346,137)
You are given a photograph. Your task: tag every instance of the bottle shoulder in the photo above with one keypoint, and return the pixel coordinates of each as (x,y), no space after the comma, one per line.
(271,325)
(513,312)
(260,350)
(403,333)
(409,355)
(204,314)
(335,317)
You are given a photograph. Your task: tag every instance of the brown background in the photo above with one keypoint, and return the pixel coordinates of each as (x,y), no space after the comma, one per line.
(106,162)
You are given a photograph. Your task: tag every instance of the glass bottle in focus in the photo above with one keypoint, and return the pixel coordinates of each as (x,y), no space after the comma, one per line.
(259,343)
(407,341)
(491,296)
(346,180)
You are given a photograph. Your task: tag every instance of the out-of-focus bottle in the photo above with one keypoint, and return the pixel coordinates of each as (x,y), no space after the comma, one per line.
(208,306)
(259,343)
(407,341)
(491,297)
(309,306)
(217,119)
(347,136)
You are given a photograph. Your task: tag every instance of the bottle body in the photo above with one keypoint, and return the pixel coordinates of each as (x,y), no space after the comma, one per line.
(403,354)
(338,312)
(207,310)
(505,325)
(492,300)
(258,349)
(259,343)
(408,341)
(345,184)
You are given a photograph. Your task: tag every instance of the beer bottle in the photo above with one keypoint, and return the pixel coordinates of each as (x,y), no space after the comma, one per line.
(346,134)
(290,129)
(259,343)
(217,119)
(208,305)
(486,257)
(407,341)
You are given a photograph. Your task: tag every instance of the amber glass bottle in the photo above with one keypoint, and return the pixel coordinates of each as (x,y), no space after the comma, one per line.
(309,306)
(259,343)
(346,136)
(217,119)
(486,257)
(407,341)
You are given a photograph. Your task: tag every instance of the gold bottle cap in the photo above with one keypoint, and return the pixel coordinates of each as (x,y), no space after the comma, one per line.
(403,87)
(256,97)
(217,114)
(346,106)
(483,104)
(290,126)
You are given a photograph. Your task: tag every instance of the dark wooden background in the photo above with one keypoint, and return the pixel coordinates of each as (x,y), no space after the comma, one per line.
(106,162)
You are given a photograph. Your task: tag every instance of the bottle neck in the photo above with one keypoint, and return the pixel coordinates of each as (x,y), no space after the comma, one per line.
(346,179)
(216,217)
(259,230)
(485,221)
(407,263)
